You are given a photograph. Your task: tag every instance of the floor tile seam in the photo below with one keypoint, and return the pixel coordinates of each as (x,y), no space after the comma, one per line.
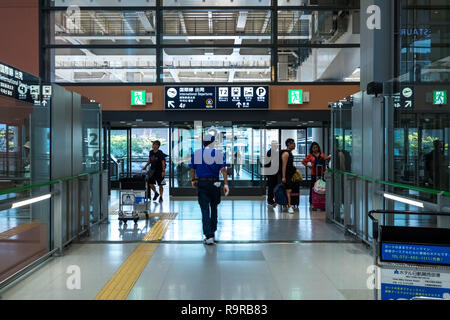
(275,279)
(164,277)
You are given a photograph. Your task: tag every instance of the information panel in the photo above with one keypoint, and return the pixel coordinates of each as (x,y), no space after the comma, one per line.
(246,97)
(19,85)
(222,97)
(415,253)
(403,284)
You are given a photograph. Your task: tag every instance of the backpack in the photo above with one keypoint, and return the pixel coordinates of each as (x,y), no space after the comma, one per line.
(280,195)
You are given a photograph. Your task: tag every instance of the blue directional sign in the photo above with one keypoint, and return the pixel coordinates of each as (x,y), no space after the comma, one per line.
(222,97)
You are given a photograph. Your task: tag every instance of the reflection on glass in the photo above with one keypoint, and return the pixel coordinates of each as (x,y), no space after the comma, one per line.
(228,27)
(104,65)
(424,40)
(90,27)
(142,142)
(24,160)
(216,64)
(341,156)
(318,27)
(101,3)
(319,64)
(119,154)
(185,140)
(215,3)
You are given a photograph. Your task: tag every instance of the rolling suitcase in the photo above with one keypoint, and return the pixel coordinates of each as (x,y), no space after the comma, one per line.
(318,200)
(295,194)
(319,196)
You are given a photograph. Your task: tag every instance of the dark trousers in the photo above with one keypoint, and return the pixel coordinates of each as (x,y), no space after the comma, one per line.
(313,181)
(272,182)
(209,199)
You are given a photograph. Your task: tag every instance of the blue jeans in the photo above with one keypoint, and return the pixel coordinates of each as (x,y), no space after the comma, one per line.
(209,199)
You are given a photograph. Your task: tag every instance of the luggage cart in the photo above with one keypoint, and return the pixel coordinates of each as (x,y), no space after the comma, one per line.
(133,193)
(410,263)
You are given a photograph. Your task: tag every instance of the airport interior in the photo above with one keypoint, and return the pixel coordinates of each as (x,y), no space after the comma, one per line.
(327,122)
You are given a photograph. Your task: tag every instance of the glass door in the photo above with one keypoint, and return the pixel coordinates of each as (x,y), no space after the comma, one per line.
(141,144)
(120,153)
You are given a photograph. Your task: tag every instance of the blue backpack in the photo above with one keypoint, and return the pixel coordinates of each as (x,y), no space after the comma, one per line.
(280,195)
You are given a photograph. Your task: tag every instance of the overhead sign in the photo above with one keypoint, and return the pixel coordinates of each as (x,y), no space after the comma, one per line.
(223,97)
(440,97)
(138,98)
(18,84)
(406,284)
(295,97)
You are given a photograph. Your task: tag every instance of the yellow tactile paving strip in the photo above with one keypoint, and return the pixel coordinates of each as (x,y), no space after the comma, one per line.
(121,283)
(157,232)
(19,229)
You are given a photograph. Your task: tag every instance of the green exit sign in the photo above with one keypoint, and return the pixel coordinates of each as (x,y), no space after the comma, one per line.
(295,97)
(138,98)
(440,97)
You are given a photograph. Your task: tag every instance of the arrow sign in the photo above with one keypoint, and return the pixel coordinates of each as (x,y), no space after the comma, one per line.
(44,103)
(408,104)
(239,104)
(171,104)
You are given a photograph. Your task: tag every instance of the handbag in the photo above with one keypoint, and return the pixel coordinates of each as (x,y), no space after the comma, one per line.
(297,177)
(320,186)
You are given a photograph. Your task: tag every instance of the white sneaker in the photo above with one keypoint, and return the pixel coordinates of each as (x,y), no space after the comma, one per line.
(291,210)
(209,241)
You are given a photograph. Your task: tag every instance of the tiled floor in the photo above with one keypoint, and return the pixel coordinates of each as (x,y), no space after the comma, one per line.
(261,254)
(330,271)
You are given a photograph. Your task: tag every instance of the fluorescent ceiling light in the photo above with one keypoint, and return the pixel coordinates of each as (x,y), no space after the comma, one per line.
(403,200)
(30,201)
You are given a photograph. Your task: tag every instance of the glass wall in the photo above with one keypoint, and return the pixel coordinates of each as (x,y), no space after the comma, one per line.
(201,41)
(420,132)
(425,38)
(341,139)
(25,230)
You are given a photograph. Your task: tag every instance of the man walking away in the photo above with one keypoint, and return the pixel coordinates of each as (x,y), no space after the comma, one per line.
(156,174)
(206,163)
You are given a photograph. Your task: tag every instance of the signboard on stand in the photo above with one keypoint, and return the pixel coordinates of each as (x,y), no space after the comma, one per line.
(410,283)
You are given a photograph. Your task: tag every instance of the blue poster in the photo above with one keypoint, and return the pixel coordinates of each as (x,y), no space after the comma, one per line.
(397,292)
(407,284)
(415,253)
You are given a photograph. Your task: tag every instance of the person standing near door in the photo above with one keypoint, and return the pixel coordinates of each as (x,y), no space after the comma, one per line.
(316,161)
(288,170)
(206,163)
(272,179)
(156,173)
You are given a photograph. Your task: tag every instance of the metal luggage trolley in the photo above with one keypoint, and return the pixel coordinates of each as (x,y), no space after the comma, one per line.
(410,263)
(133,193)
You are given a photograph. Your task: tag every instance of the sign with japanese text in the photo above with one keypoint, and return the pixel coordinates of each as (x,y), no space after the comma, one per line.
(415,253)
(18,84)
(223,97)
(406,284)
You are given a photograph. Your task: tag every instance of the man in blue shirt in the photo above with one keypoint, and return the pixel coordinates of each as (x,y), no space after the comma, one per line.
(206,163)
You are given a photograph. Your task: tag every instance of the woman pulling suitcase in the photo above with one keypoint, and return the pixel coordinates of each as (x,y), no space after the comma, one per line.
(317,161)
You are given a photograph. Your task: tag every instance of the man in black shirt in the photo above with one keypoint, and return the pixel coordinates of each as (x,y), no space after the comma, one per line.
(156,173)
